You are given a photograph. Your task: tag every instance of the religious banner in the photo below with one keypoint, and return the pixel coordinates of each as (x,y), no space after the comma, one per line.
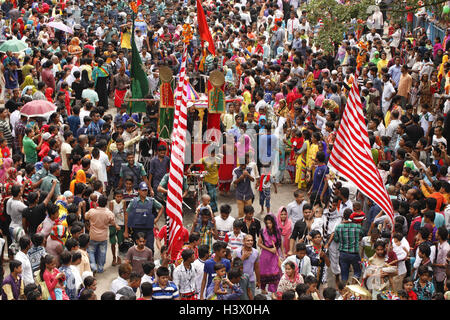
(216,95)
(167,103)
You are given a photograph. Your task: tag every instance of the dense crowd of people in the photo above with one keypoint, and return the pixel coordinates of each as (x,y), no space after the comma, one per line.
(92,173)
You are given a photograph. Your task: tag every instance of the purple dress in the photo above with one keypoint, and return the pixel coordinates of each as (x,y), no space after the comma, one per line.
(270,272)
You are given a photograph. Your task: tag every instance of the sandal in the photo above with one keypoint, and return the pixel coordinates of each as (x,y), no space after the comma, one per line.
(114,262)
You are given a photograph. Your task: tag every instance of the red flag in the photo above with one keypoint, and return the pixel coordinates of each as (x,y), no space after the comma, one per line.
(351,155)
(203,28)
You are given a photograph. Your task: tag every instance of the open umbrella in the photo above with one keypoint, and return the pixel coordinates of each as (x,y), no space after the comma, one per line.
(38,108)
(13,45)
(60,26)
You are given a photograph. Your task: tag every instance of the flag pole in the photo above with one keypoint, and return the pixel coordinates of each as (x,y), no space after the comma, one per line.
(133,17)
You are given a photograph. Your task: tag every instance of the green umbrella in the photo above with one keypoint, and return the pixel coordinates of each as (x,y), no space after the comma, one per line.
(13,46)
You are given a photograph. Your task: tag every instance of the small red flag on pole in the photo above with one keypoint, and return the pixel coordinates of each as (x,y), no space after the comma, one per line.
(203,28)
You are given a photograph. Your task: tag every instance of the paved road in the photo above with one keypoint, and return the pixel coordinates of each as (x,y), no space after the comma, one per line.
(284,196)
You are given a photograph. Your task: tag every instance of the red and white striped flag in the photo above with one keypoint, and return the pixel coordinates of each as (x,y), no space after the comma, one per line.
(174,204)
(352,158)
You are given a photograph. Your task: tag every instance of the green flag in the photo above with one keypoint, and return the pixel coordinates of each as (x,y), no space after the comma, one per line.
(139,82)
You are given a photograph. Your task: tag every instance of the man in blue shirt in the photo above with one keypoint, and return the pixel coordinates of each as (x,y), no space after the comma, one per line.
(395,71)
(220,249)
(320,185)
(74,121)
(95,127)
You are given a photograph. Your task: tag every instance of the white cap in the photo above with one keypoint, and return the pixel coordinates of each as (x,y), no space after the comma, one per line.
(46,136)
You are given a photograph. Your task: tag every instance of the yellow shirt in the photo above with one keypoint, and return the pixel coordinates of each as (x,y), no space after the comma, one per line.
(125,40)
(212,167)
(247,100)
(381,64)
(403,180)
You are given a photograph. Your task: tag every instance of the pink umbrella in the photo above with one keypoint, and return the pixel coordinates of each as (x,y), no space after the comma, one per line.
(38,108)
(60,26)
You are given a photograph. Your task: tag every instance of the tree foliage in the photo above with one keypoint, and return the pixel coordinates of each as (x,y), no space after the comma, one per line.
(338,19)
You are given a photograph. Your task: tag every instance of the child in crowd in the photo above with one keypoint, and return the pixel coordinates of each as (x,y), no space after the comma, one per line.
(408,285)
(217,288)
(264,184)
(235,238)
(146,291)
(224,222)
(424,287)
(37,251)
(117,206)
(206,199)
(149,272)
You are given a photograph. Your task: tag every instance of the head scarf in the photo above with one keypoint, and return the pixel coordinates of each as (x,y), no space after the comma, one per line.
(58,232)
(5,164)
(229,76)
(261,118)
(278,97)
(297,276)
(287,227)
(277,234)
(12,172)
(243,147)
(68,194)
(75,41)
(28,81)
(80,177)
(48,94)
(24,91)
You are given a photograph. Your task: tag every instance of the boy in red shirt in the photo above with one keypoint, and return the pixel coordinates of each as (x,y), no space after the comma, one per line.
(6,153)
(358,215)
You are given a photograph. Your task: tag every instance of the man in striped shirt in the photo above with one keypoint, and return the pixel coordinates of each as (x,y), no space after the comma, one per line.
(5,128)
(163,289)
(348,235)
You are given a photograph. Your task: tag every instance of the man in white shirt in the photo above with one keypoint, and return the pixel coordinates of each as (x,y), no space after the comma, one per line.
(100,30)
(261,104)
(372,35)
(391,130)
(121,281)
(224,222)
(426,119)
(98,168)
(346,203)
(184,275)
(292,26)
(376,21)
(198,266)
(295,208)
(66,150)
(15,207)
(145,55)
(140,39)
(246,17)
(27,271)
(305,26)
(438,138)
(388,93)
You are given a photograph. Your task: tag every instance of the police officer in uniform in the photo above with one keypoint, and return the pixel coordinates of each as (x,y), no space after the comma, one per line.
(142,214)
(43,172)
(134,170)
